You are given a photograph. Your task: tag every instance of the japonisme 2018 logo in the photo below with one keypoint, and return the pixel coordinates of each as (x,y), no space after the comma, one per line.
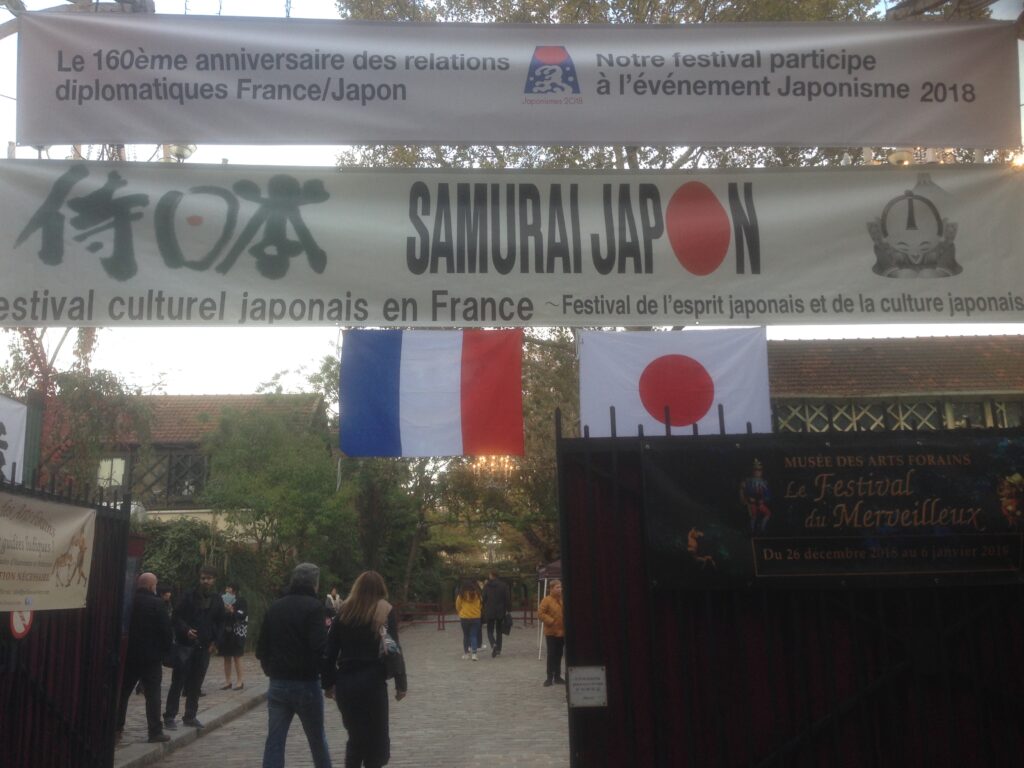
(913,236)
(552,72)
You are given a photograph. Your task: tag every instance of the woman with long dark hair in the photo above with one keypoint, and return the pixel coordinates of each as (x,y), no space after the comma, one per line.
(355,670)
(469,605)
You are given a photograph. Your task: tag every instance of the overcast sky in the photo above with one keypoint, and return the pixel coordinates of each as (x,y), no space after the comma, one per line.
(238,360)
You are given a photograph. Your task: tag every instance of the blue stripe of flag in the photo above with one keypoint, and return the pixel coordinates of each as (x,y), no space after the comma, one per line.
(371,365)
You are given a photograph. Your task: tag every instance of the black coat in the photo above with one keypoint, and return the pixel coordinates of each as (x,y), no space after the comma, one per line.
(149,631)
(293,636)
(497,600)
(190,614)
(351,647)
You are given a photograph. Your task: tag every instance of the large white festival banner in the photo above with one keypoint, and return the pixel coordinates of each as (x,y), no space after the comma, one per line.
(154,244)
(132,78)
(45,553)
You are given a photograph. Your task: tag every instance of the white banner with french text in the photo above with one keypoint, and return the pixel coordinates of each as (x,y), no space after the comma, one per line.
(13,423)
(45,553)
(136,78)
(101,244)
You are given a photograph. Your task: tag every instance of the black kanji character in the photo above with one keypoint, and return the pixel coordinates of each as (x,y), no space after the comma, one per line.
(281,207)
(101,211)
(50,220)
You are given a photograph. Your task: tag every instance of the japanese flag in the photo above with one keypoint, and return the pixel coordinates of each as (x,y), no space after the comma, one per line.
(690,372)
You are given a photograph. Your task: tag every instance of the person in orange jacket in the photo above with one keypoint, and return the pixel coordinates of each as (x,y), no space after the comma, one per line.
(469,605)
(550,613)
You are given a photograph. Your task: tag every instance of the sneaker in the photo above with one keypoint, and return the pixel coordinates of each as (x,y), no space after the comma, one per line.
(474,657)
(465,656)
(159,737)
(547,683)
(169,724)
(192,722)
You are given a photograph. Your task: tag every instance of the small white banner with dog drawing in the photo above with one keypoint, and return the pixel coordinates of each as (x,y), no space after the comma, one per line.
(45,553)
(136,78)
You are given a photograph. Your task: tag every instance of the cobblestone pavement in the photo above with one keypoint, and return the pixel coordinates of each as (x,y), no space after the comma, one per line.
(493,712)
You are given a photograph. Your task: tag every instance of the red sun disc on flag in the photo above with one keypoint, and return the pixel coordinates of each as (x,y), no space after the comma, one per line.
(698,228)
(682,384)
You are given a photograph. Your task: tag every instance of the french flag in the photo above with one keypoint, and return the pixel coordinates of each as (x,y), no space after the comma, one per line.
(432,393)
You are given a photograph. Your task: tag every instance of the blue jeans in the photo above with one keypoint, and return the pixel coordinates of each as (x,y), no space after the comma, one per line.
(470,634)
(285,699)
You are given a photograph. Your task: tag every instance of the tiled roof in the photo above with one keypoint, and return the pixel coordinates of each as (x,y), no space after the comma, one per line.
(186,419)
(885,367)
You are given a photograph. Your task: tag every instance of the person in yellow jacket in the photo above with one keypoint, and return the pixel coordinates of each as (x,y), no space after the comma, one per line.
(469,605)
(550,613)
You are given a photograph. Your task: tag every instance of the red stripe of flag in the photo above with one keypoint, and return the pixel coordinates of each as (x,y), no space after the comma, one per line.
(492,393)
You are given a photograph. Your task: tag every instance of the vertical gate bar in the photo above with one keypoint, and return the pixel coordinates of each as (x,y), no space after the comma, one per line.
(825,630)
(953,746)
(586,554)
(714,673)
(918,685)
(800,674)
(686,613)
(770,620)
(740,609)
(655,634)
(888,698)
(624,608)
(565,550)
(869,744)
(981,704)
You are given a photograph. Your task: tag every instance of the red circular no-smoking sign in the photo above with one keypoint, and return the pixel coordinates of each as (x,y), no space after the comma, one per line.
(21,623)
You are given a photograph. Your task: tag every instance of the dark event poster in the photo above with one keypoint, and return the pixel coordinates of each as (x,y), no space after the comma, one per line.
(840,509)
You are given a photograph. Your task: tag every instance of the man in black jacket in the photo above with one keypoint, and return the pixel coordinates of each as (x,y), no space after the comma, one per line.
(497,602)
(198,622)
(291,643)
(149,639)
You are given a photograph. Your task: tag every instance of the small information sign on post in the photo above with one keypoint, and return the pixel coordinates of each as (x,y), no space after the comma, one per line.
(588,687)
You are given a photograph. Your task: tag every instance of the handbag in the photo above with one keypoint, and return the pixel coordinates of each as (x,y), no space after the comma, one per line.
(178,656)
(506,624)
(391,655)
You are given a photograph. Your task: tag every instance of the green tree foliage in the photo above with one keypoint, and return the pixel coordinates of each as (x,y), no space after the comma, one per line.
(176,550)
(273,478)
(378,494)
(86,412)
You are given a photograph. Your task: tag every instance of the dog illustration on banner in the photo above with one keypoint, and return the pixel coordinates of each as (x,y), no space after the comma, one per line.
(69,566)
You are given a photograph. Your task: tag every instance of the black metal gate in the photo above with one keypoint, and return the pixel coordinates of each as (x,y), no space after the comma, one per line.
(901,677)
(59,684)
